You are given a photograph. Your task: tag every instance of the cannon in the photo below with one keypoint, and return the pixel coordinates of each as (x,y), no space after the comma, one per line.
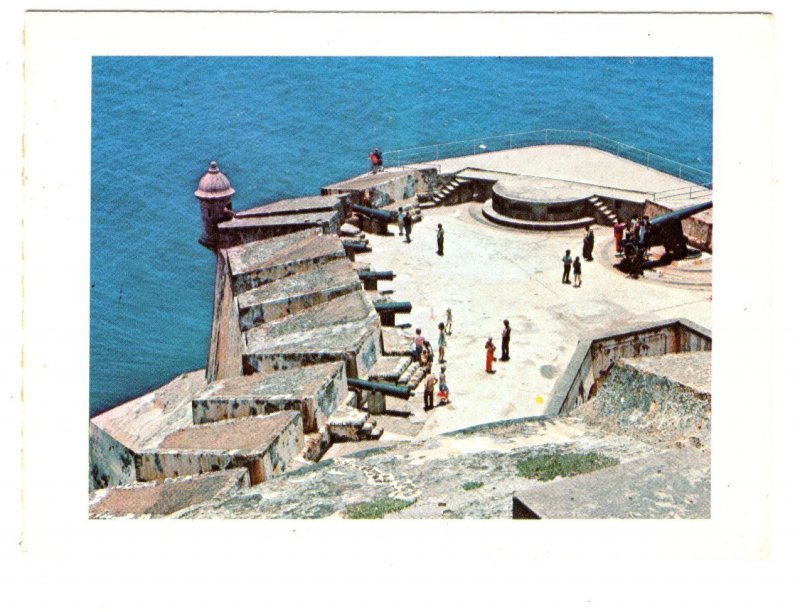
(387,310)
(665,230)
(351,247)
(378,220)
(370,278)
(401,391)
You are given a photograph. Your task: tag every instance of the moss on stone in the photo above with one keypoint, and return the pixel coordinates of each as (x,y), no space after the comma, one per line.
(548,466)
(472,484)
(376,508)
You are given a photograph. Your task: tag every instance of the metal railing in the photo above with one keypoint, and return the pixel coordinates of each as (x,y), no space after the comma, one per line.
(473,146)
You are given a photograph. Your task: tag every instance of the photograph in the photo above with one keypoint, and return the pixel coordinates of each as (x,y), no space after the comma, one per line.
(401,287)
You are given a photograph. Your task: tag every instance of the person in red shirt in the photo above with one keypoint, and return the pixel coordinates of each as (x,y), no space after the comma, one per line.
(490,348)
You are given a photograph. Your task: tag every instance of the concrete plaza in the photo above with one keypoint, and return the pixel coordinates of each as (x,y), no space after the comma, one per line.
(489,273)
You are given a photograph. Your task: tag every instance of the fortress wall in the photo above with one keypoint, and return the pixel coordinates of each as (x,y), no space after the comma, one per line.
(111,463)
(594,357)
(368,352)
(225,347)
(648,401)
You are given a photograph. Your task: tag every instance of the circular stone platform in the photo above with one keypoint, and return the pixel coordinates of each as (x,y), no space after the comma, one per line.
(541,199)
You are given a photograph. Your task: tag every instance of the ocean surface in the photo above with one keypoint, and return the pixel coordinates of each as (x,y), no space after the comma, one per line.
(285,127)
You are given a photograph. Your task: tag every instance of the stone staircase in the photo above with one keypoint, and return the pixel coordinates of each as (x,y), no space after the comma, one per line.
(348,424)
(604,211)
(440,197)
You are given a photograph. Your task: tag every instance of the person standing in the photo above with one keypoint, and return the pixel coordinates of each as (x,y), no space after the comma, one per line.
(449,322)
(505,341)
(407,220)
(490,348)
(419,344)
(588,243)
(444,390)
(442,342)
(619,227)
(440,240)
(401,218)
(576,271)
(374,160)
(567,263)
(430,385)
(378,158)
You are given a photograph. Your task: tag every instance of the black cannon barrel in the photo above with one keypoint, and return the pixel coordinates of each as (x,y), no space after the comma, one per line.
(376,275)
(403,391)
(357,247)
(681,213)
(392,306)
(375,213)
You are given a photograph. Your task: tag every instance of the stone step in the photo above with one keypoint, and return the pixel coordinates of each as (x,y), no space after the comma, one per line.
(292,294)
(263,261)
(537,226)
(164,497)
(314,390)
(405,377)
(365,431)
(263,444)
(376,433)
(389,368)
(346,423)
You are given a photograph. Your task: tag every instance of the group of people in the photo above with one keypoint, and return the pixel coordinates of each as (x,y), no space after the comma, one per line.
(423,353)
(633,229)
(404,221)
(574,265)
(505,344)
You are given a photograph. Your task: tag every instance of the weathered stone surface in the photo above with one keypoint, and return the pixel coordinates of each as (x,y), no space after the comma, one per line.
(395,342)
(297,292)
(348,308)
(432,472)
(292,206)
(145,421)
(225,345)
(665,400)
(111,463)
(247,229)
(314,391)
(161,498)
(263,261)
(355,343)
(263,444)
(672,484)
(389,368)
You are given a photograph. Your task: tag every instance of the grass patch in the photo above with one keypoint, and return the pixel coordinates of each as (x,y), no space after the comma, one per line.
(472,484)
(377,508)
(548,466)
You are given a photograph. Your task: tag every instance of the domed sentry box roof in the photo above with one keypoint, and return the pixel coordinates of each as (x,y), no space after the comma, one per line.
(214,185)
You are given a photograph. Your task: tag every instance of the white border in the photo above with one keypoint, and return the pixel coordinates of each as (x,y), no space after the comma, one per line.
(340,558)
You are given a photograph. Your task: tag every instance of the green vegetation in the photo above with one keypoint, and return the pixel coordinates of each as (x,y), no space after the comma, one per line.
(548,466)
(472,484)
(376,508)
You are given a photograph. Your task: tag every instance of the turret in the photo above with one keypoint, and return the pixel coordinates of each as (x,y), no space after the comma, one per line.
(214,192)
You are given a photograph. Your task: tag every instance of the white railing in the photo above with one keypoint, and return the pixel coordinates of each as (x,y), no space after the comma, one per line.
(473,146)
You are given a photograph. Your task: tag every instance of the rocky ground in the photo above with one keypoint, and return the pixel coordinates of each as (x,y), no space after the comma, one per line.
(432,473)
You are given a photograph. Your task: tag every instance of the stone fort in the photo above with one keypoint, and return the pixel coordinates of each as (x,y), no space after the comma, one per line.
(311,401)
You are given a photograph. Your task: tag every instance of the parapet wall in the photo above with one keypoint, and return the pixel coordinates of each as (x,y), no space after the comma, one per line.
(594,357)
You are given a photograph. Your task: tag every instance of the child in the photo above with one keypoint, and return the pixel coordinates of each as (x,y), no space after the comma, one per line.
(490,347)
(449,324)
(576,271)
(442,342)
(444,390)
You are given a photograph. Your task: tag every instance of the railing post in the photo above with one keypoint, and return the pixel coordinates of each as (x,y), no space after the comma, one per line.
(546,134)
(437,152)
(510,141)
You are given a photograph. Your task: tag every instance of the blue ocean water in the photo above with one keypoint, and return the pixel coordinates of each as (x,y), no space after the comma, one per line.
(284,127)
